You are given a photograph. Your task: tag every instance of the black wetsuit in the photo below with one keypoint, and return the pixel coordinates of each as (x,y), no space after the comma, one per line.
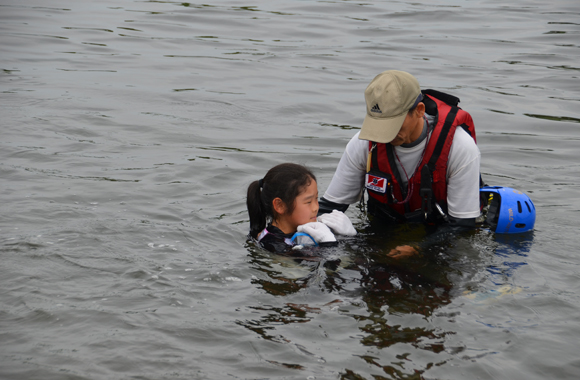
(274,240)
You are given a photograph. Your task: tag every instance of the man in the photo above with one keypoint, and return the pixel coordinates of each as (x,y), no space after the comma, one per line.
(416,156)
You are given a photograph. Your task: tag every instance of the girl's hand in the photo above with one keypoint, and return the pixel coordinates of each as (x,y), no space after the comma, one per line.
(339,222)
(319,232)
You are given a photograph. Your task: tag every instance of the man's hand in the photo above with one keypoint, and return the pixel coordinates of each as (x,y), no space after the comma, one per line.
(402,251)
(338,222)
(319,232)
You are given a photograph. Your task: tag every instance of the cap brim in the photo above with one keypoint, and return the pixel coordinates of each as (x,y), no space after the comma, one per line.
(381,130)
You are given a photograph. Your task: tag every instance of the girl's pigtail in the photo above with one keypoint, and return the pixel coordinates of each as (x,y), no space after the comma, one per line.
(256,209)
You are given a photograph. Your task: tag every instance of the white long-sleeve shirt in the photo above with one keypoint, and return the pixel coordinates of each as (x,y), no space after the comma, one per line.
(347,184)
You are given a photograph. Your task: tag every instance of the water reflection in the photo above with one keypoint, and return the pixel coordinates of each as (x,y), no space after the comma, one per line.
(513,251)
(395,301)
(359,274)
(287,275)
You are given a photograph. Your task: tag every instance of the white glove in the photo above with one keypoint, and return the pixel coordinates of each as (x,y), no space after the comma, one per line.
(339,223)
(319,232)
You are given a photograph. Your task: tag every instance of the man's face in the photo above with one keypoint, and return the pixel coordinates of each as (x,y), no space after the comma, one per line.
(411,128)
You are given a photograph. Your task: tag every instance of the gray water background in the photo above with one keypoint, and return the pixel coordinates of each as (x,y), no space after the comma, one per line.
(130,131)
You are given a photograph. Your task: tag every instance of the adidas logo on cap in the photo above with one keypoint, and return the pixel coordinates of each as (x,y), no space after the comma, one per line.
(376,109)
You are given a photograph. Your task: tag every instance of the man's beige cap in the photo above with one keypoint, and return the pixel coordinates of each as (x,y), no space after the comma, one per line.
(389,97)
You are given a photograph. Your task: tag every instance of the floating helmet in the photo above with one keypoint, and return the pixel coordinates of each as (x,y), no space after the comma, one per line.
(510,210)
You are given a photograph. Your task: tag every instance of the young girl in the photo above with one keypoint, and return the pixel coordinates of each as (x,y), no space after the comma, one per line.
(283,208)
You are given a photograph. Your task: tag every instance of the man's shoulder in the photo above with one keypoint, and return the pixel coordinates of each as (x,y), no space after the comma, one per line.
(356,143)
(463,147)
(464,139)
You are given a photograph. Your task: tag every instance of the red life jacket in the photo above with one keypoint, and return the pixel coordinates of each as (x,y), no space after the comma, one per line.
(429,182)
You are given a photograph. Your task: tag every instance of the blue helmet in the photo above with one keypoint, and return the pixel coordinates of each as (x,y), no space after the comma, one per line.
(510,211)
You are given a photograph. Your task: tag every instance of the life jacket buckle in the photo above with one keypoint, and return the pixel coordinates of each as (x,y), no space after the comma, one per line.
(441,212)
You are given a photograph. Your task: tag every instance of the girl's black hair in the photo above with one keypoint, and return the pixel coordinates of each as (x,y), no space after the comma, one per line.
(284,181)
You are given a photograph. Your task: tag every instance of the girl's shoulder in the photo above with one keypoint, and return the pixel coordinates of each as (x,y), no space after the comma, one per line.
(274,240)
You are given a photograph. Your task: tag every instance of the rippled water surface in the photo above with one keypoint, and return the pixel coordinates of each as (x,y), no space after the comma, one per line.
(131,130)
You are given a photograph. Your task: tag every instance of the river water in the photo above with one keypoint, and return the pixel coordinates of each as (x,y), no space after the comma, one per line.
(131,130)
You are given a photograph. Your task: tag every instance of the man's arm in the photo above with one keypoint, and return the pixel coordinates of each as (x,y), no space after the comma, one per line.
(463,178)
(326,206)
(347,183)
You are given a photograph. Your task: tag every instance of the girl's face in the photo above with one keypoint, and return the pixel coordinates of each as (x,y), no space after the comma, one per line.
(305,210)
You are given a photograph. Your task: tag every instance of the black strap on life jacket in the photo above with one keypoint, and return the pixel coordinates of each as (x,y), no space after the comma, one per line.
(442,137)
(429,168)
(445,98)
(426,191)
(396,172)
